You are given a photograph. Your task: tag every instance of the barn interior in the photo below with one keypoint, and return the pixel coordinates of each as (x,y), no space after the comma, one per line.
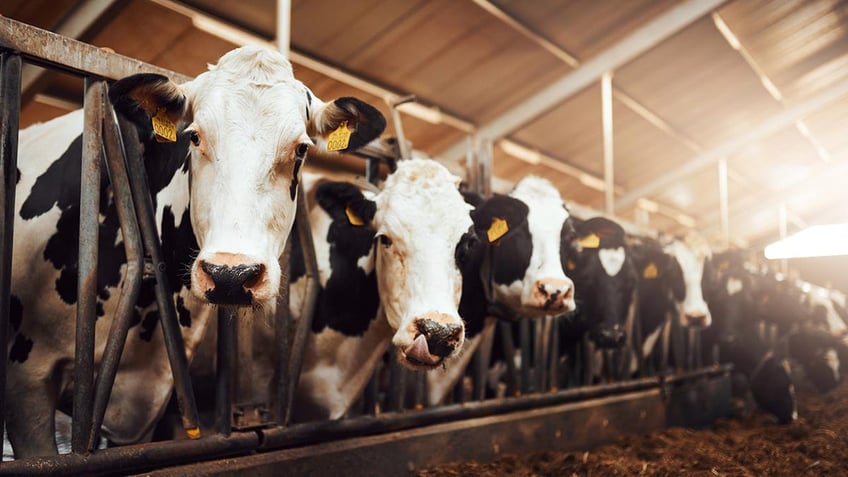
(723,117)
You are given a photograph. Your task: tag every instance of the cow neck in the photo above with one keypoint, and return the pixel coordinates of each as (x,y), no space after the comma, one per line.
(487,276)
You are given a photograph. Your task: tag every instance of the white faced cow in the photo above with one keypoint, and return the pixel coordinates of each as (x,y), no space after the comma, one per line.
(691,253)
(224,194)
(518,270)
(390,273)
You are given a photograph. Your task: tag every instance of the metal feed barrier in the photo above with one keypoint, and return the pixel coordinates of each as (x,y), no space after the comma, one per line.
(257,436)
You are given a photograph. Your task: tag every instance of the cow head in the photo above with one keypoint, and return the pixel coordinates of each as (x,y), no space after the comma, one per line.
(245,125)
(422,234)
(691,255)
(522,234)
(597,258)
(727,286)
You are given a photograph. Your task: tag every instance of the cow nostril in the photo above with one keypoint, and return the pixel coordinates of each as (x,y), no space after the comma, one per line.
(442,339)
(231,284)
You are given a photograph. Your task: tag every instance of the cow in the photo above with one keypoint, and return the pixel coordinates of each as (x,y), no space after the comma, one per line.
(597,258)
(390,273)
(224,186)
(516,272)
(691,253)
(728,288)
(660,286)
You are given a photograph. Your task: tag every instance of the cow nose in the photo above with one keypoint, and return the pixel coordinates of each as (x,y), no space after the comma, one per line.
(230,283)
(609,337)
(437,337)
(553,294)
(698,320)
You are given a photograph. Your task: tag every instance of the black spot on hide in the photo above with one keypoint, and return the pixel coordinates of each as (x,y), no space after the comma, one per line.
(20,349)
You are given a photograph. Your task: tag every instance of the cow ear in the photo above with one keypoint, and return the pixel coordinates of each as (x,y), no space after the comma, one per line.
(345,202)
(144,96)
(363,121)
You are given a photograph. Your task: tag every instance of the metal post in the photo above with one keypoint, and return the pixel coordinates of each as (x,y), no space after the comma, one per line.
(89,225)
(282,338)
(164,297)
(783,226)
(403,146)
(472,170)
(723,202)
(508,343)
(284,26)
(133,248)
(526,355)
(485,158)
(224,369)
(10,98)
(304,324)
(606,119)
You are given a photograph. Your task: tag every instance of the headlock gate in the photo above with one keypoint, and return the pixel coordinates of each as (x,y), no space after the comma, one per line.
(253,435)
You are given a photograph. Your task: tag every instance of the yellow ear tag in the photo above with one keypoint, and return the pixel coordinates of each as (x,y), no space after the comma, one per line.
(339,139)
(163,127)
(353,218)
(570,265)
(650,272)
(590,241)
(498,229)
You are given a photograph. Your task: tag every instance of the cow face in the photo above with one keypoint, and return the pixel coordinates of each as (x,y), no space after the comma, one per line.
(727,287)
(422,225)
(522,233)
(248,123)
(598,261)
(691,255)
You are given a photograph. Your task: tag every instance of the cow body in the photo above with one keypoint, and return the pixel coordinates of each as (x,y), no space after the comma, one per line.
(728,287)
(390,275)
(516,273)
(224,201)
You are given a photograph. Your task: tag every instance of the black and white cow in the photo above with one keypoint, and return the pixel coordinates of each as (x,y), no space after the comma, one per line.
(516,272)
(224,194)
(598,260)
(660,286)
(728,287)
(389,266)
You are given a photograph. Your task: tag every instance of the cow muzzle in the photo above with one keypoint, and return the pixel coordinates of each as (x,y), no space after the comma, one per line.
(696,320)
(231,279)
(437,336)
(609,337)
(553,295)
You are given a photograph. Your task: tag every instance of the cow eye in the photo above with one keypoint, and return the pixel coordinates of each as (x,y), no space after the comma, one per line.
(384,240)
(194,137)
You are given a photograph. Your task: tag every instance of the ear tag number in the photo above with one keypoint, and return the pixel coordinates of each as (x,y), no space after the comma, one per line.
(163,127)
(353,218)
(650,272)
(339,139)
(590,241)
(498,229)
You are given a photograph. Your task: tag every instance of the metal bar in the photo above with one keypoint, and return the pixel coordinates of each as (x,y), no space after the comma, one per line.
(485,159)
(403,146)
(304,324)
(553,363)
(753,134)
(482,360)
(10,98)
(397,386)
(133,248)
(641,40)
(225,369)
(526,356)
(284,26)
(783,227)
(606,122)
(723,202)
(130,459)
(82,18)
(164,297)
(282,338)
(508,342)
(49,49)
(472,170)
(89,227)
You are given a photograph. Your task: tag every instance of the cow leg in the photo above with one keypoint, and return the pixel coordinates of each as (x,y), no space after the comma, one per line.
(30,414)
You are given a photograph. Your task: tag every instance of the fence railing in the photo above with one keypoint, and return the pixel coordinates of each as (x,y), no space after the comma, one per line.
(383,410)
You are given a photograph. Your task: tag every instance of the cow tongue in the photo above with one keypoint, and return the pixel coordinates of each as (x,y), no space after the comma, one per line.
(420,352)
